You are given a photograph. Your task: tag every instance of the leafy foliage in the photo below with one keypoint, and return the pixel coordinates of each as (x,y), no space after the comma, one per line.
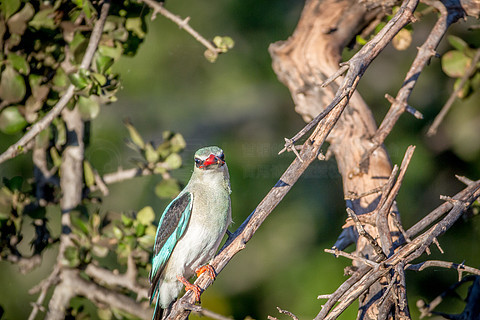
(42,47)
(457,62)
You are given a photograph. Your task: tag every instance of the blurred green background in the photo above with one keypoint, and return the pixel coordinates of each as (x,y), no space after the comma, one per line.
(238,104)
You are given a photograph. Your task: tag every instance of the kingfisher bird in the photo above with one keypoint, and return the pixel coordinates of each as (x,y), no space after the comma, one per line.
(190,230)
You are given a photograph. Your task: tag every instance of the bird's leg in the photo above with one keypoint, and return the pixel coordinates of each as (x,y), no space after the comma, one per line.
(206,268)
(188,286)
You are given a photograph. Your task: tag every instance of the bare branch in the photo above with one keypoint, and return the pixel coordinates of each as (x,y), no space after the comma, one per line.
(43,288)
(361,231)
(204,312)
(336,252)
(425,52)
(245,232)
(182,23)
(365,276)
(460,267)
(127,280)
(288,313)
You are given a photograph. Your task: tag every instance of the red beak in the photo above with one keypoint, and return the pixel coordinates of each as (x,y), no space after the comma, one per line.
(212,159)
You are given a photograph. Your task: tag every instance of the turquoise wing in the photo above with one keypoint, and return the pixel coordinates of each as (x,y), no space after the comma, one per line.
(171,227)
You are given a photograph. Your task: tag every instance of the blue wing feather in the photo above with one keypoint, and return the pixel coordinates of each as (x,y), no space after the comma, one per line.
(171,227)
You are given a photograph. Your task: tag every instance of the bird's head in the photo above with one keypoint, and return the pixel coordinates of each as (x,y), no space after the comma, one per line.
(209,158)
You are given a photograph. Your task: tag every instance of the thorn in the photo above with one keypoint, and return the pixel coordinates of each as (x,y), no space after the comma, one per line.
(344,66)
(417,114)
(464,180)
(438,245)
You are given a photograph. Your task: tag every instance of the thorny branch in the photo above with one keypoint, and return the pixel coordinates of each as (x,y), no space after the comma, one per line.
(358,64)
(404,252)
(425,53)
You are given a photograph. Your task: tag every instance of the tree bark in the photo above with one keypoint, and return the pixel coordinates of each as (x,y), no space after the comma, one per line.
(302,63)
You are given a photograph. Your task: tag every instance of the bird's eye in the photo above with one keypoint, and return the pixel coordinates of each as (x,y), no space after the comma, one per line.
(198,161)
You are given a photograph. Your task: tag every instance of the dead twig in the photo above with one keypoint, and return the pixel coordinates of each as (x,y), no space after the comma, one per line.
(182,24)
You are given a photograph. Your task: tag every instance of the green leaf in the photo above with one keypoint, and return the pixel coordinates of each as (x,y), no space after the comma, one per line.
(151,231)
(117,233)
(146,241)
(104,314)
(43,19)
(60,132)
(12,86)
(134,135)
(11,120)
(88,107)
(360,40)
(100,251)
(140,230)
(223,43)
(79,80)
(17,24)
(13,184)
(465,91)
(146,215)
(135,25)
(9,7)
(168,188)
(173,161)
(36,212)
(100,78)
(457,42)
(178,143)
(150,154)
(103,63)
(455,63)
(80,224)
(127,222)
(60,79)
(19,63)
(56,158)
(112,52)
(88,174)
(72,256)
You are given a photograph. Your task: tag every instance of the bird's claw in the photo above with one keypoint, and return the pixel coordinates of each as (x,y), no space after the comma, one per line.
(206,268)
(197,291)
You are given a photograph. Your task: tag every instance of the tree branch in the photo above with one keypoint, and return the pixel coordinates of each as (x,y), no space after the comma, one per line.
(245,232)
(425,52)
(182,23)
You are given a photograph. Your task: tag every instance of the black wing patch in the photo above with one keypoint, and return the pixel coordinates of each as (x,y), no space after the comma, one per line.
(170,221)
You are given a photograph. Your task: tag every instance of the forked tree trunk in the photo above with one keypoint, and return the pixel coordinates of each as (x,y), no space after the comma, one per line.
(302,63)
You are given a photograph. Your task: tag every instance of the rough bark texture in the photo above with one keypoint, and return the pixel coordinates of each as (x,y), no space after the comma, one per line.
(302,63)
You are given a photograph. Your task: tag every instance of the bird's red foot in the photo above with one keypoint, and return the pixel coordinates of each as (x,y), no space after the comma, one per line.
(206,268)
(188,286)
